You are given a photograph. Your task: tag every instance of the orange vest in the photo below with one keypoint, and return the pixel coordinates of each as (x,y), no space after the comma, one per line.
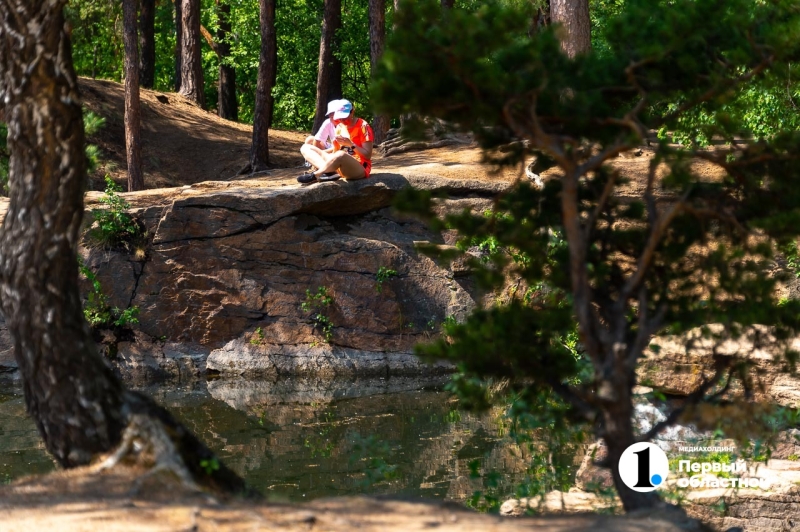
(360,132)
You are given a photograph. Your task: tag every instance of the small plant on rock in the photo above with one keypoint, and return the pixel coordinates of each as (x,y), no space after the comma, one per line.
(316,303)
(383,275)
(114,227)
(258,336)
(98,312)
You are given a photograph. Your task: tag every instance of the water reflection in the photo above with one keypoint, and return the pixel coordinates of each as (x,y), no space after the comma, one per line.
(299,439)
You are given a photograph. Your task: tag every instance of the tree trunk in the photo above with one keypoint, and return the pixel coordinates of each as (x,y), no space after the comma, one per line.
(618,424)
(147,43)
(573,15)
(178,44)
(191,65)
(402,118)
(448,3)
(227,106)
(80,416)
(329,76)
(377,38)
(541,19)
(267,72)
(79,406)
(133,146)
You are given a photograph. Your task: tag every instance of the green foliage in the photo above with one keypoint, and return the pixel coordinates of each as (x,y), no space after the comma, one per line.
(792,256)
(539,425)
(317,304)
(210,465)
(114,227)
(98,312)
(258,336)
(383,275)
(603,275)
(97,49)
(98,52)
(92,124)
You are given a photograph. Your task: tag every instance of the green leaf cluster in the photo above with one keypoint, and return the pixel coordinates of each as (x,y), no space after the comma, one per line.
(98,312)
(98,52)
(114,227)
(317,304)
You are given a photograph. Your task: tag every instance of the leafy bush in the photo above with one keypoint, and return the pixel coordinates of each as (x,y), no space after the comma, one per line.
(114,227)
(97,310)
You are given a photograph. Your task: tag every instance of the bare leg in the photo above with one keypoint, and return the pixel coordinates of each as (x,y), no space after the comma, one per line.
(348,166)
(314,142)
(314,155)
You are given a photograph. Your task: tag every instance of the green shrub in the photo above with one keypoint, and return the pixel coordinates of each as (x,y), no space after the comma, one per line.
(114,227)
(98,312)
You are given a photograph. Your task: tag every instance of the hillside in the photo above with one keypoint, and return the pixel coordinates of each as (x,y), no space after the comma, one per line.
(181,143)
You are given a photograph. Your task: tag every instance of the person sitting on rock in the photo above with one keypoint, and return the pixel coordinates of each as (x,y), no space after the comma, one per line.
(351,155)
(327,131)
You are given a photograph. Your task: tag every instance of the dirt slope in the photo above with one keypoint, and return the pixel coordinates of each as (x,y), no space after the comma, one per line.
(181,143)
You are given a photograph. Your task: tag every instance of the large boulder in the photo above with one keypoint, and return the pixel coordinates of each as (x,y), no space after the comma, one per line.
(677,364)
(228,266)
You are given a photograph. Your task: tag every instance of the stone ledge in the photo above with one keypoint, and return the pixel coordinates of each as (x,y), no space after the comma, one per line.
(239,358)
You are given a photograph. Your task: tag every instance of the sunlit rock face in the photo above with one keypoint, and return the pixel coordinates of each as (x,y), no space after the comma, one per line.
(227,268)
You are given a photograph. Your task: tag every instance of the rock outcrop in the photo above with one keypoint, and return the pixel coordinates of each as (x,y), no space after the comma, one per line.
(228,266)
(675,369)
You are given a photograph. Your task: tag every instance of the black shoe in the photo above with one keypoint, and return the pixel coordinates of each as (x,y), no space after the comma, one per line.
(308,177)
(329,176)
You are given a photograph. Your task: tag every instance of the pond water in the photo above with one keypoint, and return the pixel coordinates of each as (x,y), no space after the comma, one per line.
(301,439)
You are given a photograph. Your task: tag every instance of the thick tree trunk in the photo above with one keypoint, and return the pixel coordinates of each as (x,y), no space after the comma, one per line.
(191,65)
(377,38)
(267,72)
(227,106)
(147,43)
(618,424)
(178,44)
(329,72)
(133,145)
(79,406)
(573,15)
(71,394)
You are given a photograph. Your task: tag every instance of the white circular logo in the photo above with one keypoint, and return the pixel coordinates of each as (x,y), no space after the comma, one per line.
(643,467)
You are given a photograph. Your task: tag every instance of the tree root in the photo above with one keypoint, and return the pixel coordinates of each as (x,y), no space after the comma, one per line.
(147,440)
(154,439)
(402,146)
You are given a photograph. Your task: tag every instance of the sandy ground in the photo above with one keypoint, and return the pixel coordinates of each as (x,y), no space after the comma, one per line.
(123,500)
